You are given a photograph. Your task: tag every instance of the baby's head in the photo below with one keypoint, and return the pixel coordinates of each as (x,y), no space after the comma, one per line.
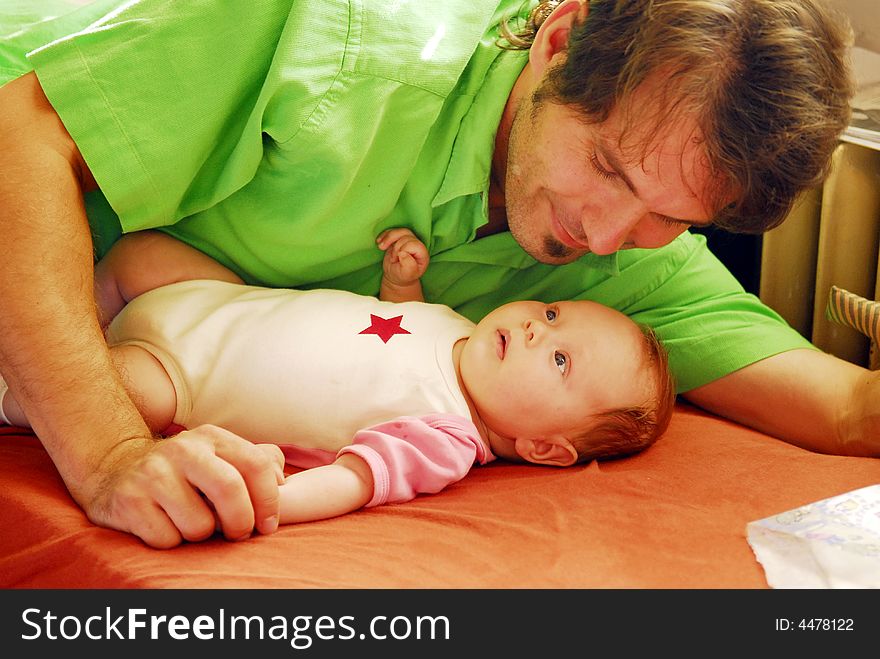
(567,382)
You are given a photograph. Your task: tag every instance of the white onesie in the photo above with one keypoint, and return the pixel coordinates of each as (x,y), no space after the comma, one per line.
(309,368)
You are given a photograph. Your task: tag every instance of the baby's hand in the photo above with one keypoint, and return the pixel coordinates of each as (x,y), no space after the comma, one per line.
(406,257)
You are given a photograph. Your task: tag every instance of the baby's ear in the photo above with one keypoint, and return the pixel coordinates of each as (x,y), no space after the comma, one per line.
(553,452)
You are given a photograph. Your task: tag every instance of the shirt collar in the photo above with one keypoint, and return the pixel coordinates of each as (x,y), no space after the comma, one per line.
(490,77)
(501,249)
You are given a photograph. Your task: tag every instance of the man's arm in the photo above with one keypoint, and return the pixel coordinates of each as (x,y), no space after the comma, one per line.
(53,356)
(808,398)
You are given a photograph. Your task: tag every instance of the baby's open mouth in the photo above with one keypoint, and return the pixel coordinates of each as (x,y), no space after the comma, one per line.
(501,343)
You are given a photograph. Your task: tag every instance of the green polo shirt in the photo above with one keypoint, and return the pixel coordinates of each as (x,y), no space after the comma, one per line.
(280,137)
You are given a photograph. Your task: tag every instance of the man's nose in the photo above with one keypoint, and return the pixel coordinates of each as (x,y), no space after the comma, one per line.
(614,230)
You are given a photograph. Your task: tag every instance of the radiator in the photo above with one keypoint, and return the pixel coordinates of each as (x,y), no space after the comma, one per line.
(830,238)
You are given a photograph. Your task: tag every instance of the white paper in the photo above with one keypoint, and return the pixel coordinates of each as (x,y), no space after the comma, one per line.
(833,543)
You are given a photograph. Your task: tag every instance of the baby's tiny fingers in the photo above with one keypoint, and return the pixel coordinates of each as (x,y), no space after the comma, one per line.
(389,236)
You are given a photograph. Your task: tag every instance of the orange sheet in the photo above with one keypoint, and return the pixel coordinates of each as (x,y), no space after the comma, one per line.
(671,517)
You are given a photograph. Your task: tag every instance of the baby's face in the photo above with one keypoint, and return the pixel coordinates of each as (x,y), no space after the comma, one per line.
(540,370)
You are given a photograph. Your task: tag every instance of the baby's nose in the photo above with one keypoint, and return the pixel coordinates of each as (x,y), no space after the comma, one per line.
(533,331)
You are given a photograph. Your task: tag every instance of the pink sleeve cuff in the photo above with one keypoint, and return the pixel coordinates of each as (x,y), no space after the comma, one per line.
(409,455)
(381,478)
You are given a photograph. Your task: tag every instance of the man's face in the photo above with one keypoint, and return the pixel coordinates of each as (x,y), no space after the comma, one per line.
(572,188)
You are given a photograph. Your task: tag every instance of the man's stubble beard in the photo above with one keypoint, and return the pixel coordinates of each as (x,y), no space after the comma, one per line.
(557,252)
(523,227)
(544,248)
(519,209)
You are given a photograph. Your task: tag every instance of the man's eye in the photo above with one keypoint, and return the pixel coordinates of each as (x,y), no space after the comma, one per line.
(561,361)
(604,173)
(551,314)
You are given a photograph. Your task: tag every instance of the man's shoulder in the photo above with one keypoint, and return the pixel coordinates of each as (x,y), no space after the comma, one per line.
(423,44)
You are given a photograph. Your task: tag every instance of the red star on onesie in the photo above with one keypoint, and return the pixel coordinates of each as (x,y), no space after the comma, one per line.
(384,328)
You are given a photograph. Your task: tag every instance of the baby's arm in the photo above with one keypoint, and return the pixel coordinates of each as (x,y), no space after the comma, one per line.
(321,492)
(406,259)
(141,261)
(390,462)
(146,382)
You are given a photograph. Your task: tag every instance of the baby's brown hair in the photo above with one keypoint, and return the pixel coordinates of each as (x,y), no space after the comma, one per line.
(627,430)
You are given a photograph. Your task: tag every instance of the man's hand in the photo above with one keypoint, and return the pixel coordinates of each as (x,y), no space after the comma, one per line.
(406,259)
(187,486)
(860,427)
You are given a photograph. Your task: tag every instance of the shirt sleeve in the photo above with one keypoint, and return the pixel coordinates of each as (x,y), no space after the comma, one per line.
(418,455)
(710,326)
(168,102)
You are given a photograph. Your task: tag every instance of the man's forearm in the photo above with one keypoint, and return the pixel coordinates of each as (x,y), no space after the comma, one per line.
(52,353)
(58,367)
(805,397)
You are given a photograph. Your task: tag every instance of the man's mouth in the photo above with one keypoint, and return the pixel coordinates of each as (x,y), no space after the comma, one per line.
(502,338)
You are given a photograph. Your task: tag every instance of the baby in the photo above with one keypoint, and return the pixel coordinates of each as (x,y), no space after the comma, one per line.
(378,399)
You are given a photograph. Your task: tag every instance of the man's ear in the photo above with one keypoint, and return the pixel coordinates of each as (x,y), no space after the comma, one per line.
(553,452)
(552,36)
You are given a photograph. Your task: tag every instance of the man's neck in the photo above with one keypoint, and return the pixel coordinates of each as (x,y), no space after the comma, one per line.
(497,211)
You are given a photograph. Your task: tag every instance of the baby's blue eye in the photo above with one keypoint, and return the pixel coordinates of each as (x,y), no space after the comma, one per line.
(561,361)
(551,314)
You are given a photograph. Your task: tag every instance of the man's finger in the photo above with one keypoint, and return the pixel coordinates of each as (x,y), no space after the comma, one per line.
(227,492)
(264,491)
(185,507)
(134,511)
(247,496)
(261,468)
(155,528)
